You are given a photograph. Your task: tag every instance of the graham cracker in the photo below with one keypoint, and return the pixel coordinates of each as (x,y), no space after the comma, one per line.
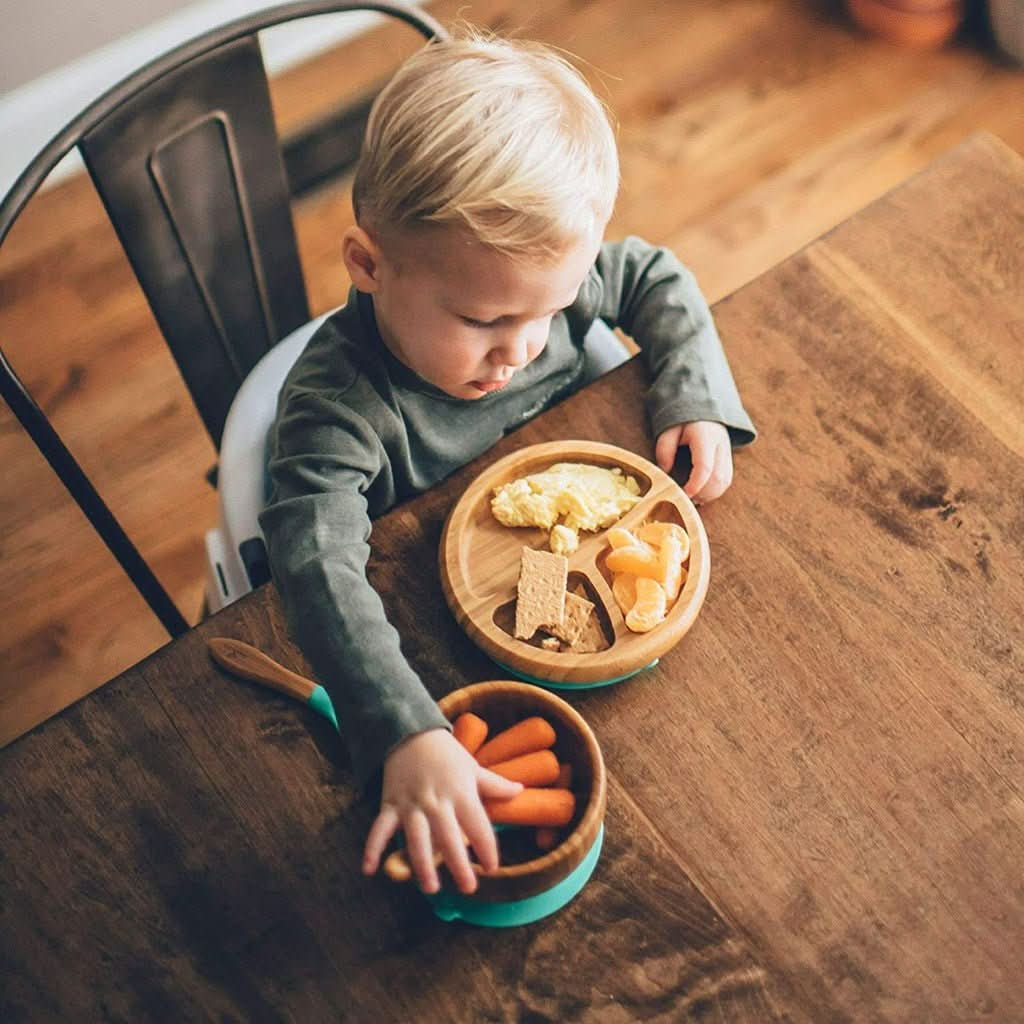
(592,639)
(592,636)
(540,595)
(574,621)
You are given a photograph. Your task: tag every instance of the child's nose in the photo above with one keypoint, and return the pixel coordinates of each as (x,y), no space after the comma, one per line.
(516,347)
(513,350)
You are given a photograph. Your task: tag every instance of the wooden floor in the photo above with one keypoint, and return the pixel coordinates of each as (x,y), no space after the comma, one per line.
(747,128)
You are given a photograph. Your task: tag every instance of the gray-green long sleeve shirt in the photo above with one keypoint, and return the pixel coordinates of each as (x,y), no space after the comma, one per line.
(357,431)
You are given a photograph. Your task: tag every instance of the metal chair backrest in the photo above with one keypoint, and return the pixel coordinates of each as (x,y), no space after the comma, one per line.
(186,159)
(191,175)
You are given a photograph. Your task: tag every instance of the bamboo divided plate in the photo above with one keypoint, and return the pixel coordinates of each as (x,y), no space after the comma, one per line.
(479,565)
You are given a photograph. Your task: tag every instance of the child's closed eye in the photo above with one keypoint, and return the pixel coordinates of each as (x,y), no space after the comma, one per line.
(471,321)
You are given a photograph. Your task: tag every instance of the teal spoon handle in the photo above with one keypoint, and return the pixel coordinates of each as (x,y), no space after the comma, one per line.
(320,702)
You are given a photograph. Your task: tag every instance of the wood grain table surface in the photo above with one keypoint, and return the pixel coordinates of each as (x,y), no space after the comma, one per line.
(815,801)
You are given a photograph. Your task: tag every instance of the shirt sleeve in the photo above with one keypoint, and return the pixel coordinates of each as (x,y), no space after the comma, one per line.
(317,528)
(647,292)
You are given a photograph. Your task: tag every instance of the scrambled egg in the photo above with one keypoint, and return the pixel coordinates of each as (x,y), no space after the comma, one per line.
(566,498)
(563,540)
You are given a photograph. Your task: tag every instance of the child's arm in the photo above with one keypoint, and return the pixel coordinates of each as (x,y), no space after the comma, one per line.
(326,461)
(693,401)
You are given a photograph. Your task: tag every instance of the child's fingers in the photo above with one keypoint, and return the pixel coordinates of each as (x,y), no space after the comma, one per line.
(703,466)
(474,820)
(420,850)
(480,833)
(452,847)
(493,786)
(720,478)
(665,447)
(383,828)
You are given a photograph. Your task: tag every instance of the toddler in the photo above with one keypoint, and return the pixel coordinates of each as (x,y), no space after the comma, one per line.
(487,178)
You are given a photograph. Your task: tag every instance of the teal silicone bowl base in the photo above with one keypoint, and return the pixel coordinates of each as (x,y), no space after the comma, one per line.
(549,685)
(452,906)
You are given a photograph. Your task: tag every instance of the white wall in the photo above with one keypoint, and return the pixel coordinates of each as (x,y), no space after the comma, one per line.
(42,35)
(32,112)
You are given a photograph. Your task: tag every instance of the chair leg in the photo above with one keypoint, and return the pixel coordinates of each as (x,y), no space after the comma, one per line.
(80,487)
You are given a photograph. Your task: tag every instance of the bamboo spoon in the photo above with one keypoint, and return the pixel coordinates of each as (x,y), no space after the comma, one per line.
(244,660)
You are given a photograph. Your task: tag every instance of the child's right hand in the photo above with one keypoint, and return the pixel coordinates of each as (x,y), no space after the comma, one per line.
(433,790)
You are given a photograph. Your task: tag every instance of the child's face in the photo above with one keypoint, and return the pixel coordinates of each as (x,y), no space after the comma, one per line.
(464,317)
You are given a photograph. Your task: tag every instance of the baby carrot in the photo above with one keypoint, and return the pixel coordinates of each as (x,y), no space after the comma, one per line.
(470,730)
(396,865)
(398,868)
(522,738)
(537,769)
(553,807)
(547,837)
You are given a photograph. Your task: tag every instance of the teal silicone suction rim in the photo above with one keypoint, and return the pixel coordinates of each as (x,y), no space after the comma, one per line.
(549,685)
(452,906)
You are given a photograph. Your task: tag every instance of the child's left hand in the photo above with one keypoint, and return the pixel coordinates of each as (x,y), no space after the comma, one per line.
(710,452)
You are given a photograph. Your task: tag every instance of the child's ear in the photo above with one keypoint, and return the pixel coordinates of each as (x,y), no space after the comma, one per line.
(362,258)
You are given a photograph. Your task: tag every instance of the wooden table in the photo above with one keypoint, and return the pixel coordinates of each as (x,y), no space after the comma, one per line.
(815,802)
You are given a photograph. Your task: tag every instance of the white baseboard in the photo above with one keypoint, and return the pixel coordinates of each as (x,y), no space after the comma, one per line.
(32,114)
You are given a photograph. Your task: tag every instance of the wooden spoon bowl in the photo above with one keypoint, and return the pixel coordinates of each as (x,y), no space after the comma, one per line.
(479,567)
(501,704)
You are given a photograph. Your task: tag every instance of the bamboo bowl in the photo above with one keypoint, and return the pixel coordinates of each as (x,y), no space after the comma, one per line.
(501,704)
(479,568)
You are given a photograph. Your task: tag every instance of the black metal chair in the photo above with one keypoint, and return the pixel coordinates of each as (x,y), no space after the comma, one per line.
(187,161)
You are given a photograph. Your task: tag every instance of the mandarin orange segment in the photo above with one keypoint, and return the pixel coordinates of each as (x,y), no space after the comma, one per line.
(620,537)
(671,564)
(656,533)
(650,606)
(624,591)
(637,559)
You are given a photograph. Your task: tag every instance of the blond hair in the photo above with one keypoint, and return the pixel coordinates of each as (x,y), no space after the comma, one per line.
(500,137)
